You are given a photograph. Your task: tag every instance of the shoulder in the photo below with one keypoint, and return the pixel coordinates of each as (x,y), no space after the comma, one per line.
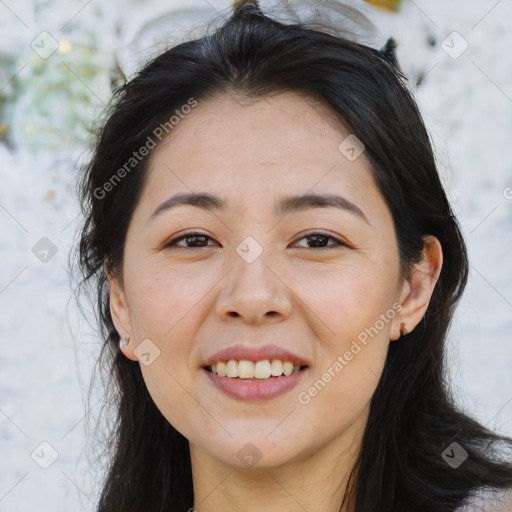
(489,500)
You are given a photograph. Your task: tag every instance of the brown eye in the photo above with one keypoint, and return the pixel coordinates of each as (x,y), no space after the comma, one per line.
(319,240)
(197,239)
(316,240)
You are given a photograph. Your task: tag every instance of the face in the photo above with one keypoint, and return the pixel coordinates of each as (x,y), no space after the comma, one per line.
(321,282)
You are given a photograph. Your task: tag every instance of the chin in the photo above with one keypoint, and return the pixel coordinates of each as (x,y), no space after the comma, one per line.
(253,453)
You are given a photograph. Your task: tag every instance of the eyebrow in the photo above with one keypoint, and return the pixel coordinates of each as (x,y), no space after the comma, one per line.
(286,205)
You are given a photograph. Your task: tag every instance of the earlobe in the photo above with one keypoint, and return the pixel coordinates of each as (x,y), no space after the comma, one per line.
(126,349)
(418,289)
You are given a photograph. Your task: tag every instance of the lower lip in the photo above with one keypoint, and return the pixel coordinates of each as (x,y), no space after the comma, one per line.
(253,390)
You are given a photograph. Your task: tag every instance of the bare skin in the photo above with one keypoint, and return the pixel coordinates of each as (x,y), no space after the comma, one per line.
(197,297)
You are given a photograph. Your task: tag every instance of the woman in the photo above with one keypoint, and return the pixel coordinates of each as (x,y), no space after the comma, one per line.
(276,268)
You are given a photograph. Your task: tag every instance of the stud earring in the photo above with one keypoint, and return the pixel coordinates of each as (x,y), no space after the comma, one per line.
(403,329)
(122,343)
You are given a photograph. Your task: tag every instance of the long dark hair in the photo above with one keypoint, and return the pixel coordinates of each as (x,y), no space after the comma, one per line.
(413,418)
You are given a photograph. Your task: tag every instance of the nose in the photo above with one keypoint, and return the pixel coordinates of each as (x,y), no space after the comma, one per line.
(255,292)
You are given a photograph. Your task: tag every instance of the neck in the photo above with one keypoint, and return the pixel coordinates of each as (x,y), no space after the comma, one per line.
(314,482)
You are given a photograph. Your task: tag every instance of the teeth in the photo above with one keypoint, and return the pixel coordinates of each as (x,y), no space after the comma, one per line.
(262,369)
(221,369)
(276,368)
(244,369)
(287,368)
(232,368)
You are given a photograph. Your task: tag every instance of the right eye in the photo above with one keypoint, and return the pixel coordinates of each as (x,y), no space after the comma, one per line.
(198,238)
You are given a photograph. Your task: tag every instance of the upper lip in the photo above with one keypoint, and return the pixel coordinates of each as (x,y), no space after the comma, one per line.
(255,353)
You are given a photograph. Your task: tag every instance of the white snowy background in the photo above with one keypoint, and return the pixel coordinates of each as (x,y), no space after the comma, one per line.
(463,84)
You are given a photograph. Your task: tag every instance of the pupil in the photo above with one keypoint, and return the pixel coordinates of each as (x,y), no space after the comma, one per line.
(316,240)
(196,238)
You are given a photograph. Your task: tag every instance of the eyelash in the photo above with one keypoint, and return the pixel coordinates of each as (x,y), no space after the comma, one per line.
(173,242)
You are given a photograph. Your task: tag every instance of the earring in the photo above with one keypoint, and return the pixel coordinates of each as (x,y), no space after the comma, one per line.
(403,329)
(123,343)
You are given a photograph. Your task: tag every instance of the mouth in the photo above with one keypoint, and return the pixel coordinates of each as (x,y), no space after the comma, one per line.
(254,371)
(254,381)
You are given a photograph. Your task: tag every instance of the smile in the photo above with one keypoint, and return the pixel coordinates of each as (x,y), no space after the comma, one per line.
(263,369)
(254,381)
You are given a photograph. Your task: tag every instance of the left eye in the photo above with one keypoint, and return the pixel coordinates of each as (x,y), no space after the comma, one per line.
(318,239)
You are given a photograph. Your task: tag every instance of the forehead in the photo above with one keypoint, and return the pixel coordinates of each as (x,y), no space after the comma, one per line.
(258,149)
(267,129)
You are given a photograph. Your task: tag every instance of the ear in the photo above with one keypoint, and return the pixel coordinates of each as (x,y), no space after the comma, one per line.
(417,290)
(120,313)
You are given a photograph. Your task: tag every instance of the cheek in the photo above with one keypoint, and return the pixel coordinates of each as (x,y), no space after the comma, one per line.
(350,297)
(166,300)
(168,311)
(353,314)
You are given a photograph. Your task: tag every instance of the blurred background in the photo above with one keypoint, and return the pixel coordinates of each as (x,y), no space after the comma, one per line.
(59,62)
